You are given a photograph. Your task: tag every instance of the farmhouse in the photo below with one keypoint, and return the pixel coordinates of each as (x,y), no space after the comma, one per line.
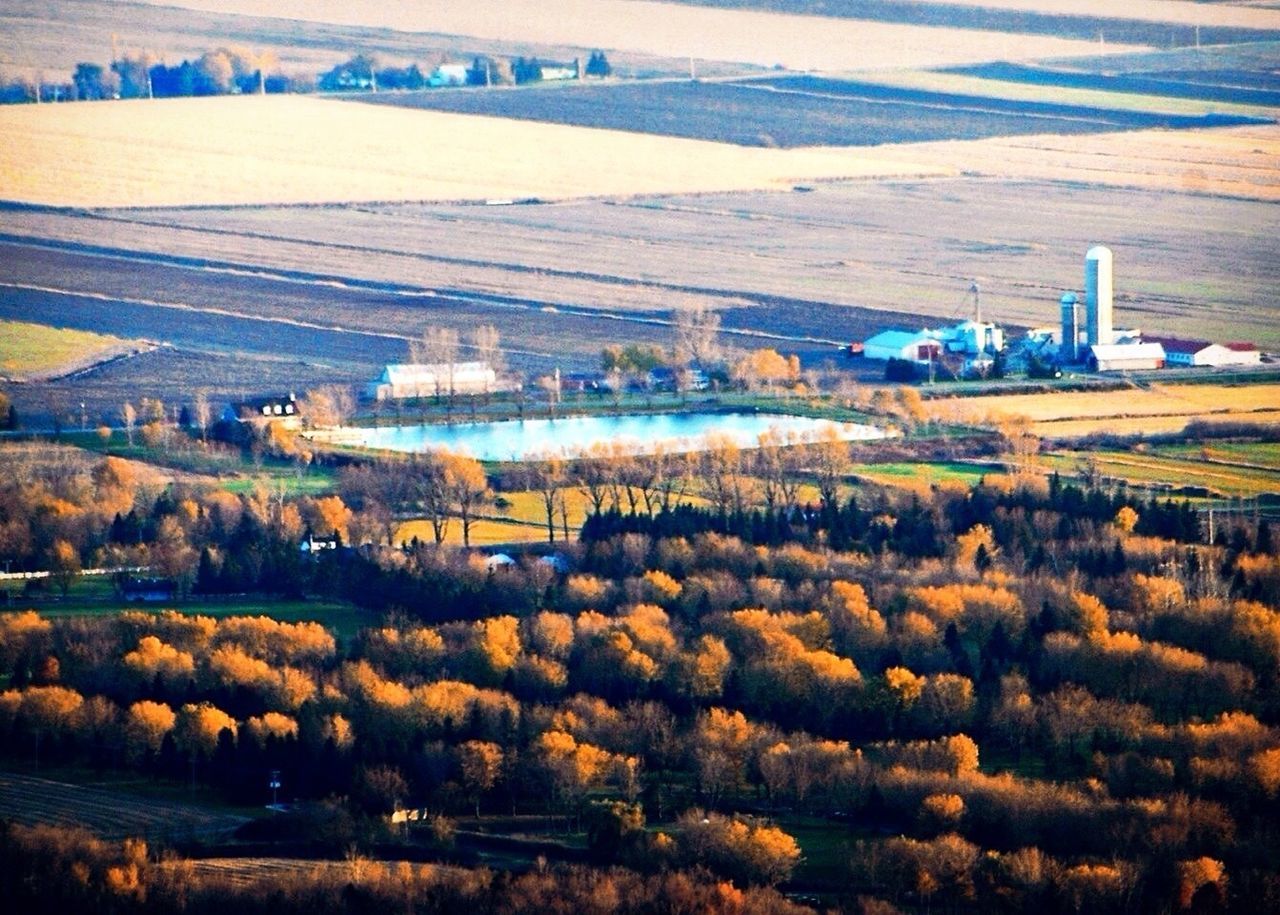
(427,380)
(1204,353)
(262,410)
(1124,357)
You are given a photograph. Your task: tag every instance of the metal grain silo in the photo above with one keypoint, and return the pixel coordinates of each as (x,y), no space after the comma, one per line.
(1098,291)
(1069,349)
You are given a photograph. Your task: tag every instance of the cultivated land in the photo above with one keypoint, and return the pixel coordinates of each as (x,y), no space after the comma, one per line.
(795,111)
(763,39)
(108,814)
(283,149)
(32,352)
(1152,410)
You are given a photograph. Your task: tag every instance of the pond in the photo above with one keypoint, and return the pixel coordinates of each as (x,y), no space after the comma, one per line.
(572,436)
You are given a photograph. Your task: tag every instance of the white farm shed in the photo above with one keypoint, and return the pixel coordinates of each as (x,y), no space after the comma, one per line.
(916,346)
(1204,353)
(1124,357)
(427,380)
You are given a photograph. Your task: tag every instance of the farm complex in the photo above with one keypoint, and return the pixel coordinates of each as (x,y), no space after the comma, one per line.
(728,456)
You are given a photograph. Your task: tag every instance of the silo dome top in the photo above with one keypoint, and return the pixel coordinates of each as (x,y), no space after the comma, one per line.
(1098,253)
(1069,298)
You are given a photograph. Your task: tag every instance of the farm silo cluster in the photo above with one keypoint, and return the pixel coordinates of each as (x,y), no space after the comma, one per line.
(1086,338)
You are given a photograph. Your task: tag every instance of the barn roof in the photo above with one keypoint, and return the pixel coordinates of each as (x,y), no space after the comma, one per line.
(1174,345)
(1110,351)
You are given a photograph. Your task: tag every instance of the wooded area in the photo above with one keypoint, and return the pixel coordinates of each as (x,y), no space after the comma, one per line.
(1025,693)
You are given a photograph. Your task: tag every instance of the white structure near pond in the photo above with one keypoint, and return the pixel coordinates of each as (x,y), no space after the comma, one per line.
(429,380)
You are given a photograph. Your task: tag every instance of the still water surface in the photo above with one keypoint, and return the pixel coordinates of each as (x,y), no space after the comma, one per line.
(570,436)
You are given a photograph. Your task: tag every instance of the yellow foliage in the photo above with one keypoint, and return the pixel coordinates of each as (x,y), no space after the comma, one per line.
(198,726)
(146,724)
(903,685)
(271,724)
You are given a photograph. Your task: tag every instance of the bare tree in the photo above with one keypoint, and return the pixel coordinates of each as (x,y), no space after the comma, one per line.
(485,339)
(328,406)
(130,417)
(440,345)
(697,329)
(202,413)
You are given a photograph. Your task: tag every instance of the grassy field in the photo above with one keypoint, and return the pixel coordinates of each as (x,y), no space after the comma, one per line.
(35,351)
(294,149)
(344,620)
(764,39)
(917,474)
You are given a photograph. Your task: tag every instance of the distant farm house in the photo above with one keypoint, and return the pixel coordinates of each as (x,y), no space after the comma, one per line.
(448,75)
(401,381)
(1204,353)
(263,410)
(552,72)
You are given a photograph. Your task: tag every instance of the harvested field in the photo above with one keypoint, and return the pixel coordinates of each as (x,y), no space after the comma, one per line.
(1138,427)
(280,149)
(1230,161)
(797,264)
(1234,87)
(1171,472)
(108,814)
(32,352)
(801,111)
(1084,96)
(667,29)
(1160,23)
(1150,410)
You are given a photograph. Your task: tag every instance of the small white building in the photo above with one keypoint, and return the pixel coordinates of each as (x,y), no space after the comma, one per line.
(1204,353)
(1125,357)
(429,380)
(448,75)
(912,345)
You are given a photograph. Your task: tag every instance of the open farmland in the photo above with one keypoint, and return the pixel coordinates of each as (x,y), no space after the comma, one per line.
(1158,23)
(1138,411)
(107,814)
(1230,161)
(1157,470)
(795,264)
(281,149)
(34,351)
(666,29)
(1234,87)
(791,111)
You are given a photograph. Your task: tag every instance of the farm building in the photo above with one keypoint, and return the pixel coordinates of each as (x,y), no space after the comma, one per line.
(427,380)
(1124,357)
(1204,353)
(283,410)
(915,346)
(448,75)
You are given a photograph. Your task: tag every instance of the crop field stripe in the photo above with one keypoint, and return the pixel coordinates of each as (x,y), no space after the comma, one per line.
(392,289)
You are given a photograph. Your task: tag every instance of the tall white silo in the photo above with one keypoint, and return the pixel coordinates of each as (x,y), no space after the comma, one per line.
(1069,349)
(1098,291)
